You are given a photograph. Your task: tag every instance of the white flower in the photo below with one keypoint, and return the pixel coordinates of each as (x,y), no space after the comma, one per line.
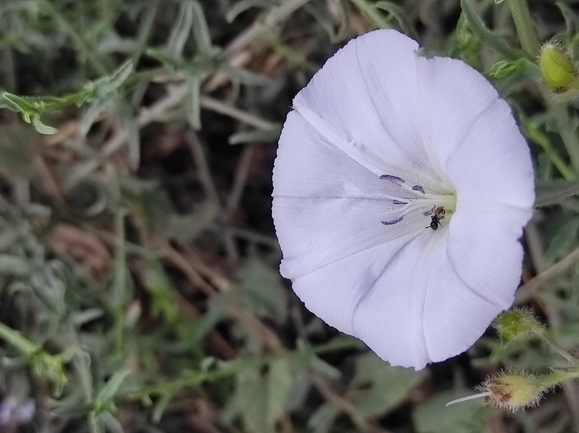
(377,145)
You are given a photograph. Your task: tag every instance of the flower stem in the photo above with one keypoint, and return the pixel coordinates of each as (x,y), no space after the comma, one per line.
(556,347)
(524,26)
(556,377)
(17,340)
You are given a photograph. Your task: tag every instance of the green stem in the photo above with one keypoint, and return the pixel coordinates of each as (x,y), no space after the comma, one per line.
(524,26)
(18,341)
(556,347)
(566,129)
(479,28)
(120,281)
(556,377)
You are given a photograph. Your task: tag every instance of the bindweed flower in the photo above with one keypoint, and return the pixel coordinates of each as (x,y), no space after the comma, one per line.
(401,188)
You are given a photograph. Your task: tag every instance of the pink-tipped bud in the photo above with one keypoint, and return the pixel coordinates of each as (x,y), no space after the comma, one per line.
(512,391)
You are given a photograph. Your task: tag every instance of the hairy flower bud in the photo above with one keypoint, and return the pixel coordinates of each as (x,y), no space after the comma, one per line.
(512,391)
(516,324)
(556,67)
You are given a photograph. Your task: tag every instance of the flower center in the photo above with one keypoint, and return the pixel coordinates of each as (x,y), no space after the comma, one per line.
(420,203)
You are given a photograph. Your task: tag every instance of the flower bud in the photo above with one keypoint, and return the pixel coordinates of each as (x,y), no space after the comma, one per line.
(556,67)
(517,324)
(512,391)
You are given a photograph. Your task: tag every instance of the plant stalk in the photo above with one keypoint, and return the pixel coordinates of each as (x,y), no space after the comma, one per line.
(524,26)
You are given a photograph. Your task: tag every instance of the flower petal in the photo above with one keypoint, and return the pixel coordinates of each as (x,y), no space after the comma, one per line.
(478,278)
(326,206)
(472,137)
(334,291)
(372,117)
(389,318)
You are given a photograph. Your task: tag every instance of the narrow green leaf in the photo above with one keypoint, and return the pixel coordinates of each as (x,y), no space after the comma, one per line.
(399,15)
(24,105)
(92,113)
(252,400)
(245,76)
(323,419)
(328,22)
(110,423)
(193,101)
(371,13)
(564,241)
(41,128)
(254,135)
(180,32)
(377,387)
(553,192)
(279,384)
(504,69)
(109,391)
(104,86)
(161,405)
(241,6)
(263,292)
(158,285)
(200,28)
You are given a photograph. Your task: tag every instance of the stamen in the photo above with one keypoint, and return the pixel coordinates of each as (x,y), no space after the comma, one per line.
(398,181)
(418,188)
(430,211)
(389,223)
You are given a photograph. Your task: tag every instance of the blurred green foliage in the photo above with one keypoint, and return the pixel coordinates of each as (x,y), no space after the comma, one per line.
(138,265)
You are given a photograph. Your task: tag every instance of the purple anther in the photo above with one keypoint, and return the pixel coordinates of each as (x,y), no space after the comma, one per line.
(394,179)
(429,212)
(418,188)
(389,223)
(399,202)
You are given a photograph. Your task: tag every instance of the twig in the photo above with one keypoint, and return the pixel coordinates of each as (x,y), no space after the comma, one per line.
(240,180)
(259,27)
(177,260)
(244,117)
(527,290)
(218,281)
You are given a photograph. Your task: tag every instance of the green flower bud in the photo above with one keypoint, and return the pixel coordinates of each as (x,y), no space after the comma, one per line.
(503,69)
(512,391)
(556,67)
(517,324)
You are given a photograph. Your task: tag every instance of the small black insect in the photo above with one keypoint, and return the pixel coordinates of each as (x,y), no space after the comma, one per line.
(436,217)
